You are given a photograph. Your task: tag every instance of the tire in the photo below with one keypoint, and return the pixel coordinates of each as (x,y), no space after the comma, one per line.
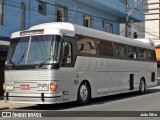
(142,86)
(84,93)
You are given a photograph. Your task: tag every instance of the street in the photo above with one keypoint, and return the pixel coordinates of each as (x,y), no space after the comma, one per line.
(122,102)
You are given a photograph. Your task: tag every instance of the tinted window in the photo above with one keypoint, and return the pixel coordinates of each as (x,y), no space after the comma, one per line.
(86,46)
(67,47)
(142,54)
(105,48)
(132,52)
(119,50)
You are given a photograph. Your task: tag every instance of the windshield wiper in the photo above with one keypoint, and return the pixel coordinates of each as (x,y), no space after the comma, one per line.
(43,62)
(50,55)
(22,57)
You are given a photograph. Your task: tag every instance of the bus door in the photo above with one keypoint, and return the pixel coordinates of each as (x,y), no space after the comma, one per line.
(3,55)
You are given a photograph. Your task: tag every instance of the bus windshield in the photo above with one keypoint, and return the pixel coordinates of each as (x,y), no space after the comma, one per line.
(34,50)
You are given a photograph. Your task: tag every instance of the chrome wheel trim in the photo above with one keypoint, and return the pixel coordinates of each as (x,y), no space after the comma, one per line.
(142,86)
(83,92)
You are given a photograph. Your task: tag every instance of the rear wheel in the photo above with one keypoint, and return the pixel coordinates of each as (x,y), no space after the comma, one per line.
(84,93)
(142,86)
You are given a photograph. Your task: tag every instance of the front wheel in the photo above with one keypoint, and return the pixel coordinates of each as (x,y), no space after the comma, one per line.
(84,93)
(142,87)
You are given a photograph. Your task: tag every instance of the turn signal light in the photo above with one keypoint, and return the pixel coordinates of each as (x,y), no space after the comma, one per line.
(53,86)
(4,86)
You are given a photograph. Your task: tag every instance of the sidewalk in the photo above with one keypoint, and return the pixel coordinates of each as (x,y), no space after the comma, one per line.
(4,105)
(158,81)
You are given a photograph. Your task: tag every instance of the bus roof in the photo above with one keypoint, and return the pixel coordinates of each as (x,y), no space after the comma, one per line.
(70,29)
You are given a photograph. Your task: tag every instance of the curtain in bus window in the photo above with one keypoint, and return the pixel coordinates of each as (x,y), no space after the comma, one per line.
(86,46)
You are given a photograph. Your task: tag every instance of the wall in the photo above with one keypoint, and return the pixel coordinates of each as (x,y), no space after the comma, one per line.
(100,10)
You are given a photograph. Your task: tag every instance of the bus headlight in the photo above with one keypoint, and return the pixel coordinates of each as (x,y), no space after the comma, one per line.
(42,86)
(8,86)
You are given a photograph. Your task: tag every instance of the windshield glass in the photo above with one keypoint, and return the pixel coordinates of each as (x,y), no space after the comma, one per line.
(34,50)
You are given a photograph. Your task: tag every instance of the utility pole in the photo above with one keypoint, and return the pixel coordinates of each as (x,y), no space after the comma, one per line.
(128,13)
(127,17)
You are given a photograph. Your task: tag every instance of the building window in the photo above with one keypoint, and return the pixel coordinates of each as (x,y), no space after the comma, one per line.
(42,7)
(22,16)
(1,12)
(103,23)
(86,21)
(109,27)
(123,1)
(61,13)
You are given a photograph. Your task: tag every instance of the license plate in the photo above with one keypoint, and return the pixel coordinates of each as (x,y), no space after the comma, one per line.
(24,86)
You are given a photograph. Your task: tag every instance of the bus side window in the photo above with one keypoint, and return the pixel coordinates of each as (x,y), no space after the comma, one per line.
(153,55)
(116,50)
(86,46)
(105,48)
(143,54)
(67,54)
(122,51)
(119,50)
(132,52)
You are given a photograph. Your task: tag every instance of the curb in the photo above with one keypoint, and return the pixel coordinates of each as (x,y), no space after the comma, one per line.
(4,108)
(1,98)
(158,82)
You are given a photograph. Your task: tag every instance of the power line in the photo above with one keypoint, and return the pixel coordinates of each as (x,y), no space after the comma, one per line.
(142,30)
(35,9)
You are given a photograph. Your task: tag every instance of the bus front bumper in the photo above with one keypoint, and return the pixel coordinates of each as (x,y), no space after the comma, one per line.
(41,98)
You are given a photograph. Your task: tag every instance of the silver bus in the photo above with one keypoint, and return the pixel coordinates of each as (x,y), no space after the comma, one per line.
(60,62)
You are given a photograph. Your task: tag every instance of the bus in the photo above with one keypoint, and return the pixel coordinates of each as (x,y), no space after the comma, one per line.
(3,55)
(60,62)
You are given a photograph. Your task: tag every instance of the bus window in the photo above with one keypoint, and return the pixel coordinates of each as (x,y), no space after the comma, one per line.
(86,46)
(132,52)
(119,50)
(122,51)
(143,54)
(67,58)
(153,55)
(105,48)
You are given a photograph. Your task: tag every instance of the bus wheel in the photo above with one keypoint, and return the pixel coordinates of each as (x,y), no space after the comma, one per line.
(142,86)
(84,93)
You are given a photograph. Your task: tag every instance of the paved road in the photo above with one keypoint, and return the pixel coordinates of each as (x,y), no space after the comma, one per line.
(123,102)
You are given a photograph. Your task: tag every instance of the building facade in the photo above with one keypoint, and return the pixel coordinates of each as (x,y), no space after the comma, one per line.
(150,27)
(105,15)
